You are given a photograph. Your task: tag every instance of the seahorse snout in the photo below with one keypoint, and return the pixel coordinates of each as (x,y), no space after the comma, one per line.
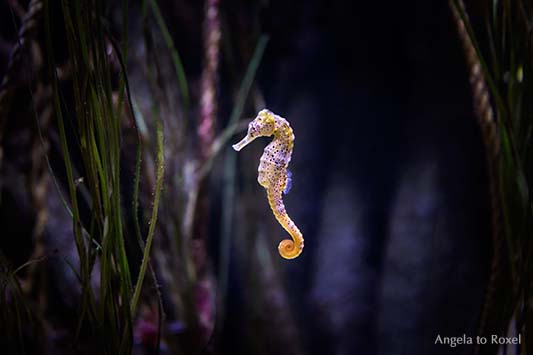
(244,142)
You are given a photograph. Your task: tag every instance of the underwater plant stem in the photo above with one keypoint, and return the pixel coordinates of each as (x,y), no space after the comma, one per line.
(153,219)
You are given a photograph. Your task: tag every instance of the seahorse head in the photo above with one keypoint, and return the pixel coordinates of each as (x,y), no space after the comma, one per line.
(263,125)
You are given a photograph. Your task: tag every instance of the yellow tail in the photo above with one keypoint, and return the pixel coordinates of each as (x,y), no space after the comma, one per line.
(288,249)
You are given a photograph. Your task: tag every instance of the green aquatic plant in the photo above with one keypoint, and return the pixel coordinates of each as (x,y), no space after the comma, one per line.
(500,71)
(124,172)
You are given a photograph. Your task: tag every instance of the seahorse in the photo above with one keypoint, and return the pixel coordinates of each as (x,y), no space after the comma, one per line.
(273,174)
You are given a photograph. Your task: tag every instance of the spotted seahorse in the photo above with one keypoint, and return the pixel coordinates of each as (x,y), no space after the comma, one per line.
(273,174)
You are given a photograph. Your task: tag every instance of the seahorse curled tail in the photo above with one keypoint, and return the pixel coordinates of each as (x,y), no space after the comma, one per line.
(287,248)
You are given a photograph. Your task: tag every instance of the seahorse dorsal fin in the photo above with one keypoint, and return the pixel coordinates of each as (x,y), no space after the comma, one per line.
(288,183)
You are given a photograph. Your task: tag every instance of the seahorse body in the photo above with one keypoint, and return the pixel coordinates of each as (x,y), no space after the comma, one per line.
(273,174)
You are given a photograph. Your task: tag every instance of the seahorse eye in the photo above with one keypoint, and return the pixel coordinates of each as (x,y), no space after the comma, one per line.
(252,129)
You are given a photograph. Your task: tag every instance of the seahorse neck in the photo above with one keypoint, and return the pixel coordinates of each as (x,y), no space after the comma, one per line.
(283,133)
